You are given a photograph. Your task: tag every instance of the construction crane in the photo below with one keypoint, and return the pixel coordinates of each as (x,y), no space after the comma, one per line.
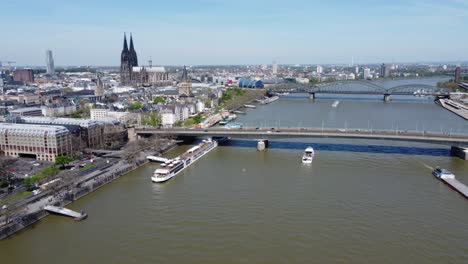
(9,64)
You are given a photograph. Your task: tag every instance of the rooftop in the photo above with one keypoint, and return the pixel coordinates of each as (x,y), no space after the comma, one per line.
(149,69)
(25,109)
(31,130)
(61,121)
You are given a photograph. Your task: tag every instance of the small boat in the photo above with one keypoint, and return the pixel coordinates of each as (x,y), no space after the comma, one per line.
(443,174)
(233,126)
(249,106)
(308,155)
(335,104)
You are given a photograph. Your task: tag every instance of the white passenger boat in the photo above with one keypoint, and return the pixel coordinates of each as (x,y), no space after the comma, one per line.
(335,104)
(443,174)
(308,155)
(185,160)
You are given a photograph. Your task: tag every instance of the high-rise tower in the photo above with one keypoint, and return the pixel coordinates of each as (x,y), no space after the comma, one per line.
(457,74)
(50,62)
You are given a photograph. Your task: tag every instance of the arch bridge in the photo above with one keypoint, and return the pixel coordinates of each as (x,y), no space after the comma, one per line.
(360,87)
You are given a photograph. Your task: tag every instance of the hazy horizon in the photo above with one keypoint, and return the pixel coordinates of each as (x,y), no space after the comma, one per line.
(216,32)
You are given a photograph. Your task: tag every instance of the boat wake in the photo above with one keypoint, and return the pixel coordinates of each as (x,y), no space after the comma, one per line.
(427,166)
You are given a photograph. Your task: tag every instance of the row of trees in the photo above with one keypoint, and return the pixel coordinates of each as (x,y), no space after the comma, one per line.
(234,98)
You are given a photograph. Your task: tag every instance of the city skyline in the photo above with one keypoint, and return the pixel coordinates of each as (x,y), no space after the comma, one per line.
(214,32)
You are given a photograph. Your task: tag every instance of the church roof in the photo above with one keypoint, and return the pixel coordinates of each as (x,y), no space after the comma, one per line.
(149,69)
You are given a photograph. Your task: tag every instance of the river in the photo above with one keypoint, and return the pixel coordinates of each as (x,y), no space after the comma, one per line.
(359,202)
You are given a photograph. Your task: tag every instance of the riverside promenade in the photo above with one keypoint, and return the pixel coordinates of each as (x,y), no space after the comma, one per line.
(33,211)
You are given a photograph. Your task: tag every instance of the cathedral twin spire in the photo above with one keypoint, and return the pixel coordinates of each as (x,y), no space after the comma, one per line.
(129,55)
(128,60)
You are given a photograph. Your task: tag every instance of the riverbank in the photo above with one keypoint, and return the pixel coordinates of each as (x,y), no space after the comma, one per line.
(76,190)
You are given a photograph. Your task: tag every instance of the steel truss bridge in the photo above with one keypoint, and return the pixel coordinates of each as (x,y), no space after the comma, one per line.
(359,87)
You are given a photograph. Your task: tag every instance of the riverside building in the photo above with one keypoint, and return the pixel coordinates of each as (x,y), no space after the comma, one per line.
(41,141)
(90,132)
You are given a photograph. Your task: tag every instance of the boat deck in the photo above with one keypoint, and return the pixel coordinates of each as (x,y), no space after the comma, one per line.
(457,186)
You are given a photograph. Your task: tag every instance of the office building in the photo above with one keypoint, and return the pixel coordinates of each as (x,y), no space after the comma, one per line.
(384,71)
(367,74)
(275,68)
(44,142)
(319,69)
(103,114)
(50,63)
(90,132)
(23,75)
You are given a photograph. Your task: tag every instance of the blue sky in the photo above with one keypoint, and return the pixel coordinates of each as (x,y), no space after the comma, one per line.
(176,32)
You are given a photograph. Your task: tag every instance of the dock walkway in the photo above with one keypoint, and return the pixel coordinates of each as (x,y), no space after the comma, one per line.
(457,186)
(65,212)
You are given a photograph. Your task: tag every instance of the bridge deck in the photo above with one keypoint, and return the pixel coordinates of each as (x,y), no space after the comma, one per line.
(425,137)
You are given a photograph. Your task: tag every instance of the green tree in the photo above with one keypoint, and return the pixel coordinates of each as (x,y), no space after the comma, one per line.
(135,106)
(188,122)
(63,160)
(159,100)
(314,80)
(151,119)
(197,119)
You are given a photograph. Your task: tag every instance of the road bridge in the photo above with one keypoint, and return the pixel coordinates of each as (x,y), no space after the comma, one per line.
(458,142)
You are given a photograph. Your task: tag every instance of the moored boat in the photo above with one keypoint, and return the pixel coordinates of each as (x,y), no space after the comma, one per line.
(183,161)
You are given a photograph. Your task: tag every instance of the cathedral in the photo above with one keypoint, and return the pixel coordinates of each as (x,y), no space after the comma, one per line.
(132,75)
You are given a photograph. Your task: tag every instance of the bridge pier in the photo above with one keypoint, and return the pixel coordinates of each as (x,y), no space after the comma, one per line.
(386,97)
(262,144)
(312,96)
(459,152)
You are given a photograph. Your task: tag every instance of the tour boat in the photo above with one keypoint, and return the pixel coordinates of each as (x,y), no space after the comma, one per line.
(308,155)
(185,160)
(443,174)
